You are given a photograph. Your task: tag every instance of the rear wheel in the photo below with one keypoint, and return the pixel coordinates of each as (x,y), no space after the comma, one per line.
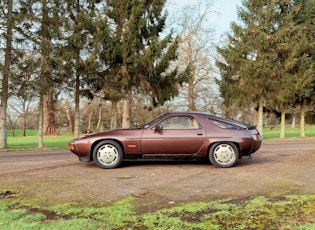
(223,155)
(108,154)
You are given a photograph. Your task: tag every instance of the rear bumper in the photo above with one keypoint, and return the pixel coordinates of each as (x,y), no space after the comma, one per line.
(255,146)
(246,156)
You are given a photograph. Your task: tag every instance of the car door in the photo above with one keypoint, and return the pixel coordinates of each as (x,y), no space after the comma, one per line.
(177,135)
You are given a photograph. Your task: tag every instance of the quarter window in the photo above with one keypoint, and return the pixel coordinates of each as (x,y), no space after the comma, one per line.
(224,125)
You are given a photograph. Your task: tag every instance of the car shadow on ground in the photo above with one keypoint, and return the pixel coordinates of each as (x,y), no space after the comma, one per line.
(169,162)
(257,158)
(154,162)
(160,162)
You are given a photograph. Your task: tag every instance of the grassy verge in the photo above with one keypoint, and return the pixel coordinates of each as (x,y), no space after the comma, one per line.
(292,133)
(289,212)
(30,141)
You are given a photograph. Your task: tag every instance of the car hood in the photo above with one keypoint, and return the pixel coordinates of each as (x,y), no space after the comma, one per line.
(115,132)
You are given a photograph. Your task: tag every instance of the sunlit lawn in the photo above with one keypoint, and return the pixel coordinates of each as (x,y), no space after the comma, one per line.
(30,142)
(290,132)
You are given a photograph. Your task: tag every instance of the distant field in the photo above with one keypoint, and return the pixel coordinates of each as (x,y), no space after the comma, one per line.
(274,133)
(30,142)
(18,133)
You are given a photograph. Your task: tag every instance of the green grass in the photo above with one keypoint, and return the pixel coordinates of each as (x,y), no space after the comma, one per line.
(18,133)
(287,212)
(30,142)
(294,133)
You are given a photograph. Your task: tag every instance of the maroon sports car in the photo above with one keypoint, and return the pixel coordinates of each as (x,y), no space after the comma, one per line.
(172,136)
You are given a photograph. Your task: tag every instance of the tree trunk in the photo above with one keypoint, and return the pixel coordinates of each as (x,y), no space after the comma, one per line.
(99,122)
(24,123)
(293,122)
(77,87)
(282,124)
(70,120)
(89,130)
(11,125)
(49,114)
(113,115)
(191,103)
(77,107)
(46,113)
(126,113)
(260,116)
(5,80)
(41,118)
(302,120)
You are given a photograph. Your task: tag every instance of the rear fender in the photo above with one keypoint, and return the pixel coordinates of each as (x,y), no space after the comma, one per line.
(236,144)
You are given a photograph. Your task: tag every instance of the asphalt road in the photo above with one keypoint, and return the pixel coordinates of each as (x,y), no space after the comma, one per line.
(25,160)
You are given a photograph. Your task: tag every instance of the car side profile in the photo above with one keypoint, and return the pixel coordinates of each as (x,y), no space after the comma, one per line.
(177,135)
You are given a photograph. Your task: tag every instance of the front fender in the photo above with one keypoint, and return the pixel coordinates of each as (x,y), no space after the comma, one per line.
(86,158)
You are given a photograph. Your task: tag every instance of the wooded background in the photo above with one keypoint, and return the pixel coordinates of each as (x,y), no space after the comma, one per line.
(86,66)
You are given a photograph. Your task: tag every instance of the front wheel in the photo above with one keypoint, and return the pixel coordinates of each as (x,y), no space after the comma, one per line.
(107,154)
(223,155)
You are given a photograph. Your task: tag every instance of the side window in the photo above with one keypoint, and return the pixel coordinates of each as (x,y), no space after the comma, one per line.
(180,122)
(224,125)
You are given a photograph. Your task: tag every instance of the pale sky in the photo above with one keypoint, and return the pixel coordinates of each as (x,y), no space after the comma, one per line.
(226,12)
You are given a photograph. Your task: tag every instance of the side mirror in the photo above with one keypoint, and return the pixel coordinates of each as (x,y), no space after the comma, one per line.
(158,128)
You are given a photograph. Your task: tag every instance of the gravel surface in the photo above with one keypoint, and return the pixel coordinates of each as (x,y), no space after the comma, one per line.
(275,170)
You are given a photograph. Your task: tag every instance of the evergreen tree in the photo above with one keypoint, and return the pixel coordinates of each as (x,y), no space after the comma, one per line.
(255,64)
(302,27)
(78,25)
(132,54)
(230,85)
(39,23)
(251,56)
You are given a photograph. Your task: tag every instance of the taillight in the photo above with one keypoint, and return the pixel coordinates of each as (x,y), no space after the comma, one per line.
(256,137)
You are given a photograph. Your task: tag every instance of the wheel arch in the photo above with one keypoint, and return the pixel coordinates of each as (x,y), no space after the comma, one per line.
(106,139)
(216,142)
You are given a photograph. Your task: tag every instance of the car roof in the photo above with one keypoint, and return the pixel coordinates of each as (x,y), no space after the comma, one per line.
(189,112)
(213,117)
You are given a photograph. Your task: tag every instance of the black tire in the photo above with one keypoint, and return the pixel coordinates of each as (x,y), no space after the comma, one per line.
(223,154)
(108,154)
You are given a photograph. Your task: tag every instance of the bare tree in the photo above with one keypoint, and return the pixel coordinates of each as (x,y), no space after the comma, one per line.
(96,115)
(195,53)
(21,105)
